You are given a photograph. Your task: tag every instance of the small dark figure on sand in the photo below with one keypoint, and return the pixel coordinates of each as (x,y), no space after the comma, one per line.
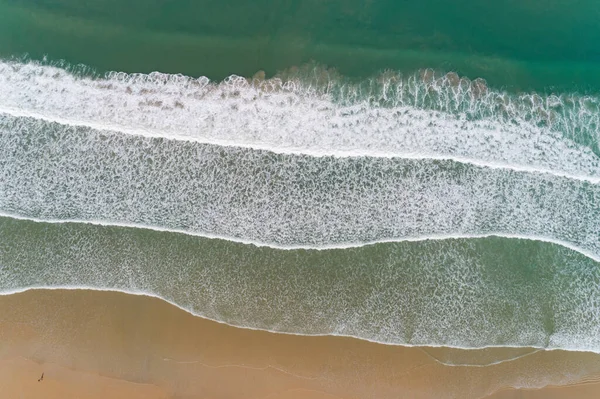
(41,378)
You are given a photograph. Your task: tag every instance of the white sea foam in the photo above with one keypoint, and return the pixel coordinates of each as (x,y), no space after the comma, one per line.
(389,116)
(53,171)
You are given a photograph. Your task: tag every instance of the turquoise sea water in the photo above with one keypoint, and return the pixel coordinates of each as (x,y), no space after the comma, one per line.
(419,173)
(519,44)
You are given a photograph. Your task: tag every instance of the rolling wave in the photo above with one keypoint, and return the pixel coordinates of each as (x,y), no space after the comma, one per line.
(315,112)
(464,293)
(318,152)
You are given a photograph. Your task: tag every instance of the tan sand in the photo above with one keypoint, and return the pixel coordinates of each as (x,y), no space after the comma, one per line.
(92,344)
(578,391)
(18,380)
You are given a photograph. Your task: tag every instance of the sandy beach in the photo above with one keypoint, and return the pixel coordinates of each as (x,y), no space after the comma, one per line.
(92,344)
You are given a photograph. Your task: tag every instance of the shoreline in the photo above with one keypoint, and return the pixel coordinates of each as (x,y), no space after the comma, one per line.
(167,351)
(153,296)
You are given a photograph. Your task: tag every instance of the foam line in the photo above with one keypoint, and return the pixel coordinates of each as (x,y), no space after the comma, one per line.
(259,244)
(507,360)
(313,152)
(56,172)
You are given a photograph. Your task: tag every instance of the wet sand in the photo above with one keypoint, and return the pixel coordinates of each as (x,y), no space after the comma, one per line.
(92,344)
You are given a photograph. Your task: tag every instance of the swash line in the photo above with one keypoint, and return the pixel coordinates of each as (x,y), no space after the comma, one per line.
(295,150)
(475,365)
(222,366)
(348,245)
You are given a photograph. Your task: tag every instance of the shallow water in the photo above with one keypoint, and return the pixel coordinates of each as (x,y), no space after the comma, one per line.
(464,293)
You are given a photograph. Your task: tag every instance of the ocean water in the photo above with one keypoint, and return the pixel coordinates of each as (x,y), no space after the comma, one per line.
(415,173)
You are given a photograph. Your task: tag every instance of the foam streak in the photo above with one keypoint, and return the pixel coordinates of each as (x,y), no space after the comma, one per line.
(60,172)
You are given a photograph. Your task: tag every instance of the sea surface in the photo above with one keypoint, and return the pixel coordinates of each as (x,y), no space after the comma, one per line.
(406,172)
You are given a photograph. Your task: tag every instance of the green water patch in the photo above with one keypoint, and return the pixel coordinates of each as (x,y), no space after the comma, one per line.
(455,292)
(515,46)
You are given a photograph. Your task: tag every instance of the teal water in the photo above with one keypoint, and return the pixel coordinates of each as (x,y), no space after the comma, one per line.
(551,45)
(417,173)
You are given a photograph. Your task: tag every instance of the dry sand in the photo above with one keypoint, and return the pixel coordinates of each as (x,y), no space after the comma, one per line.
(92,344)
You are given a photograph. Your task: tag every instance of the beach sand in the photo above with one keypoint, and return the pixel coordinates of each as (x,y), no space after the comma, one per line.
(93,344)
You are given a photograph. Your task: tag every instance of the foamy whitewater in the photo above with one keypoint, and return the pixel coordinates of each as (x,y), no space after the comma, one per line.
(427,166)
(317,114)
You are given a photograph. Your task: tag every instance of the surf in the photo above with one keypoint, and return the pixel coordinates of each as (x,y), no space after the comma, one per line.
(396,198)
(61,172)
(316,112)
